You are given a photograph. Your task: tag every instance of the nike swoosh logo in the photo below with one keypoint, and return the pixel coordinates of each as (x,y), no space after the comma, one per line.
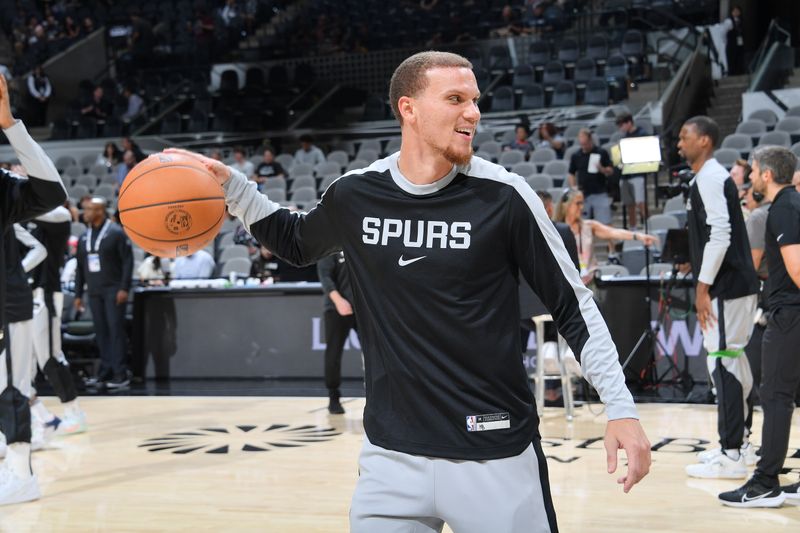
(404,262)
(760,496)
(779,237)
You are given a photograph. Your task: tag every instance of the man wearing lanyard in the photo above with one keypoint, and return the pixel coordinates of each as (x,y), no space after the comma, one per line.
(105,265)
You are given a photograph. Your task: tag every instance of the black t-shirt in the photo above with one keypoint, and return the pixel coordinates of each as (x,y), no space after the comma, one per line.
(589,182)
(435,276)
(783,229)
(267,170)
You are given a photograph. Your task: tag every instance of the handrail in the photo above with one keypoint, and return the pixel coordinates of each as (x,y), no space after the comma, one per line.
(770,37)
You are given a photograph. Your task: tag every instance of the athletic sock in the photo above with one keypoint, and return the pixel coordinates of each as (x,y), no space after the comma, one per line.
(733,454)
(71,408)
(18,459)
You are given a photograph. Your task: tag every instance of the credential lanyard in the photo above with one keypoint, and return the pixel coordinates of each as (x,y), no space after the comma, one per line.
(100,236)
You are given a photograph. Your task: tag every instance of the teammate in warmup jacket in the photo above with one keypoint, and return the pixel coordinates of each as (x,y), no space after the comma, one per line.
(435,240)
(53,230)
(726,296)
(20,200)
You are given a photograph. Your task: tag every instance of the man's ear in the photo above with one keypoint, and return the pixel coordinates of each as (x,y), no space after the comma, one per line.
(407,109)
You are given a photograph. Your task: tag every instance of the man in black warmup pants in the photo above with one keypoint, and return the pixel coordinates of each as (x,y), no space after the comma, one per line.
(339,320)
(773,167)
(435,240)
(20,200)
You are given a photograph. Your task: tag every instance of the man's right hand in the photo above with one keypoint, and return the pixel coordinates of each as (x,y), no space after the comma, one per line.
(78,305)
(217,168)
(343,307)
(6,118)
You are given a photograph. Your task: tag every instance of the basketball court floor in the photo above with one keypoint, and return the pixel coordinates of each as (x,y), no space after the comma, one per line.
(282,464)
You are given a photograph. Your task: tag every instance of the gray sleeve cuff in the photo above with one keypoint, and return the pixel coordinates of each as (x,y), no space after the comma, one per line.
(244,201)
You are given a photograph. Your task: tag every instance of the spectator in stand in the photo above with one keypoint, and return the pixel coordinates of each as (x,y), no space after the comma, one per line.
(88,26)
(111,155)
(39,91)
(130,144)
(135,103)
(97,106)
(585,231)
(215,153)
(268,168)
(240,163)
(512,24)
(153,271)
(634,184)
(308,152)
(589,169)
(520,142)
(734,41)
(128,162)
(550,138)
(71,29)
(199,265)
(141,41)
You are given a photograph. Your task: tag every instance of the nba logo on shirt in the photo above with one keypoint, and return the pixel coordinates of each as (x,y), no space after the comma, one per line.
(471,421)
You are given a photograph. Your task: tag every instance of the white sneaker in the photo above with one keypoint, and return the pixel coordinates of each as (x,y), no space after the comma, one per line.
(42,432)
(719,467)
(72,423)
(747,450)
(14,489)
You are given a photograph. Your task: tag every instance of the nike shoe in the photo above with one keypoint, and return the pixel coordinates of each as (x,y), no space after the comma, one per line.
(73,423)
(792,493)
(719,467)
(42,432)
(753,494)
(14,489)
(747,450)
(118,383)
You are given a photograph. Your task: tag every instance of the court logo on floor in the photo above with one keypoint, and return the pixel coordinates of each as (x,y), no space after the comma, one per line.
(236,439)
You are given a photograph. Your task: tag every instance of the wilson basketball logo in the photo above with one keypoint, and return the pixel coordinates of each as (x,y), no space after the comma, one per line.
(178,221)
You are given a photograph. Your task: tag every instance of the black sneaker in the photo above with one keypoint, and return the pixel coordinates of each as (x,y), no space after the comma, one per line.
(334,407)
(792,493)
(753,494)
(120,382)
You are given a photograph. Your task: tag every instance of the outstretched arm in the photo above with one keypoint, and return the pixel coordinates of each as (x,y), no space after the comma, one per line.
(298,238)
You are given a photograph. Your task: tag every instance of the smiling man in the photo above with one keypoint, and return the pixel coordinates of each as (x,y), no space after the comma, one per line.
(435,241)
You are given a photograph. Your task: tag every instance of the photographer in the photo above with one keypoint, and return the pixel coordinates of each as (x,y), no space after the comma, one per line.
(725,295)
(772,176)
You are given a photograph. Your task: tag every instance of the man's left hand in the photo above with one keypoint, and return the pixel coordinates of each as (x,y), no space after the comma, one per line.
(122,297)
(627,434)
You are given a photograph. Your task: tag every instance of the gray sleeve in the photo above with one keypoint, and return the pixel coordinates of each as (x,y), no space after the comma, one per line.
(35,161)
(325,268)
(244,200)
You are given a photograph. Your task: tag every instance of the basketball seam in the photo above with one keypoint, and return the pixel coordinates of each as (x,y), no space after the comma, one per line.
(126,228)
(187,201)
(128,186)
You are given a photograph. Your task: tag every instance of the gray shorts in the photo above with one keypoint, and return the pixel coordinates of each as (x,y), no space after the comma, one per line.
(632,191)
(401,493)
(598,207)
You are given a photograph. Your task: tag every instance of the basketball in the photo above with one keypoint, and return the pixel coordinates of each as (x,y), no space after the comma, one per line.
(171,205)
